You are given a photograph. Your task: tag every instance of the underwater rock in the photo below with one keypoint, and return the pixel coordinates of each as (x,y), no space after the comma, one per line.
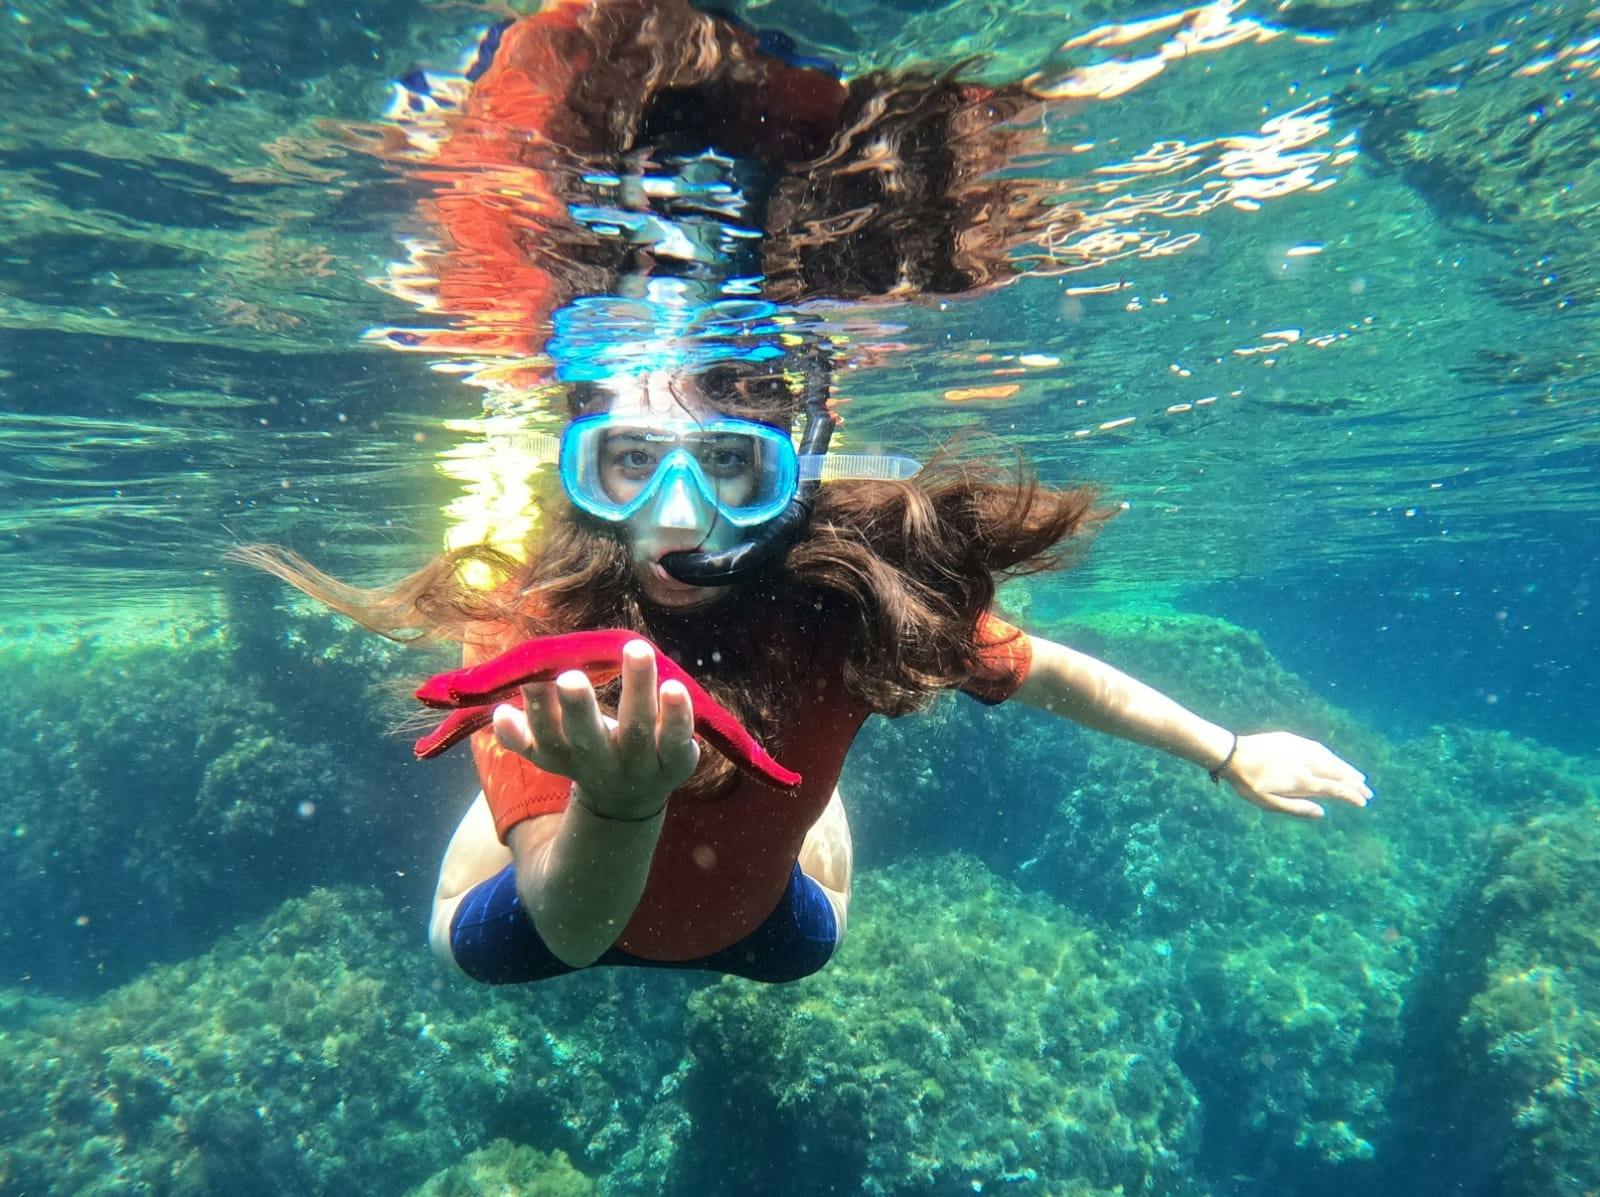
(969,1037)
(1510,773)
(1507,1078)
(175,788)
(1292,947)
(505,1169)
(1533,1030)
(324,1051)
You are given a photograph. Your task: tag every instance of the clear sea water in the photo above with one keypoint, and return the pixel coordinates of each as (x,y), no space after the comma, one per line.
(1338,358)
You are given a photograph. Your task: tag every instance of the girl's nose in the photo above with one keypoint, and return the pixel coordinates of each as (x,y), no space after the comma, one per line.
(678,508)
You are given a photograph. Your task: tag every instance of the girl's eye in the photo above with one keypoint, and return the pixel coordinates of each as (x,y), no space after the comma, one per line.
(727,461)
(633,459)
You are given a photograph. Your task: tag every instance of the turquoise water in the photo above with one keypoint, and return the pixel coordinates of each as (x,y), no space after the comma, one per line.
(1328,333)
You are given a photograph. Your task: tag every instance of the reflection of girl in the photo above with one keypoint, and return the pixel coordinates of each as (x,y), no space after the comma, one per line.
(685,514)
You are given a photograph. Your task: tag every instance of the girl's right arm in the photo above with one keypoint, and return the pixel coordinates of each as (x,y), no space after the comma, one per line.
(580,876)
(580,873)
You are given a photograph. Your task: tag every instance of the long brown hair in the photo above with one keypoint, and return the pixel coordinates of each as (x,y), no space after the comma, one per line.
(887,586)
(887,187)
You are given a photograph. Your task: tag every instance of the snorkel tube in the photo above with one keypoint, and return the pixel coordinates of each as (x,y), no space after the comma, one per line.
(773,538)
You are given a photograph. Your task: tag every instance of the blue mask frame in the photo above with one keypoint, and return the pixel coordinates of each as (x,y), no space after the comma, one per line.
(777,481)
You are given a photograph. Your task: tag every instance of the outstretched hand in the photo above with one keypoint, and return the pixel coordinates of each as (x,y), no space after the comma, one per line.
(627,766)
(1287,774)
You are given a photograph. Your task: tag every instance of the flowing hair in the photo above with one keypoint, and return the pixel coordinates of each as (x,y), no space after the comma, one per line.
(887,187)
(888,587)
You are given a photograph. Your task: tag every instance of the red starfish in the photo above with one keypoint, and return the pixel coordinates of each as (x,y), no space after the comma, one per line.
(473,693)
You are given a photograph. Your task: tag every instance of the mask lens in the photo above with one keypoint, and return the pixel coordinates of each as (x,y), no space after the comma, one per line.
(611,467)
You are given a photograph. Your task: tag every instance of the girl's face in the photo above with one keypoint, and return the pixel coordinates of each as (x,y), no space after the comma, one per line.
(678,517)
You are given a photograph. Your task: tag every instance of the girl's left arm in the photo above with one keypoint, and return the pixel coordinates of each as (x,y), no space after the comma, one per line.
(1277,771)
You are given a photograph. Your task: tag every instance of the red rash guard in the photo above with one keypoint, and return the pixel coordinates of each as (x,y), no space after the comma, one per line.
(722,863)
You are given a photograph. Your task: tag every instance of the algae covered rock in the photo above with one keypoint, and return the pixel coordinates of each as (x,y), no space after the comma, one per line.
(1291,946)
(202,778)
(323,1051)
(1294,1037)
(1511,773)
(1530,1038)
(968,1036)
(506,1169)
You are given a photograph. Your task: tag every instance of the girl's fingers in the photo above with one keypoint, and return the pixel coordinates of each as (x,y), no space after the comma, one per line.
(511,729)
(1300,808)
(1340,789)
(1334,768)
(636,710)
(580,714)
(1356,796)
(675,743)
(533,739)
(544,714)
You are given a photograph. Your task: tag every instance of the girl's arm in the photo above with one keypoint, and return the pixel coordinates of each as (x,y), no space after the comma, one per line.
(580,873)
(580,876)
(1276,771)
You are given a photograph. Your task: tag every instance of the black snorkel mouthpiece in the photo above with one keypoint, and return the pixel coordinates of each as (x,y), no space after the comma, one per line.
(773,538)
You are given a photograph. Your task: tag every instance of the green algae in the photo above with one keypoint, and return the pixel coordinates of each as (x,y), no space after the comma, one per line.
(319,1051)
(506,1169)
(968,1036)
(201,779)
(1532,1032)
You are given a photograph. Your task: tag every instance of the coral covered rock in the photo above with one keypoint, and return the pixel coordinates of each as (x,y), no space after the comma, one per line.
(968,1037)
(160,792)
(1291,946)
(505,1169)
(1509,1087)
(323,1051)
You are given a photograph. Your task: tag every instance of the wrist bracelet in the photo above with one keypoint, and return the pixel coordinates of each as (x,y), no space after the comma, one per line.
(1216,774)
(618,818)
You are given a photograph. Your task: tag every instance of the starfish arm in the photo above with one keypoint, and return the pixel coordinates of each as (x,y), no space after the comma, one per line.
(718,725)
(457,726)
(540,660)
(598,654)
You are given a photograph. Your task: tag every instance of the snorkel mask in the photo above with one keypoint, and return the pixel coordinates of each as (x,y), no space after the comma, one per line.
(679,472)
(624,465)
(614,464)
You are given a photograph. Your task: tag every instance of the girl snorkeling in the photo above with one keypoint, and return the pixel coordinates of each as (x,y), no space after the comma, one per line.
(703,181)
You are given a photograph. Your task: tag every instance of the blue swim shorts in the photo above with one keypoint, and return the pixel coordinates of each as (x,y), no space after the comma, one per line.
(493,939)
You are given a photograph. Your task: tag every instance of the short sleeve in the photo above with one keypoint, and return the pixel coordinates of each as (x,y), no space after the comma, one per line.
(1005,655)
(514,789)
